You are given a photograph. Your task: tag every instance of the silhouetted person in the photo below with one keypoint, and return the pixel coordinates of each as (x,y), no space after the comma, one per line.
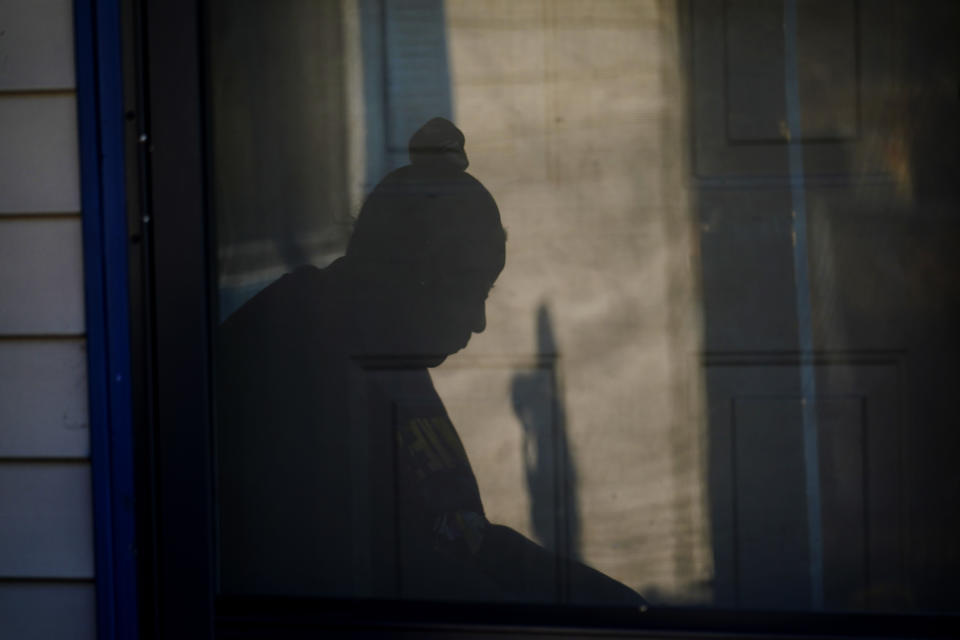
(339,471)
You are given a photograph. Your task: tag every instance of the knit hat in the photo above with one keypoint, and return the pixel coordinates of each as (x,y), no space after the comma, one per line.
(429,210)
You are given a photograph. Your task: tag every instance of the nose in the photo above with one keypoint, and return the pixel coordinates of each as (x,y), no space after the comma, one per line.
(480,319)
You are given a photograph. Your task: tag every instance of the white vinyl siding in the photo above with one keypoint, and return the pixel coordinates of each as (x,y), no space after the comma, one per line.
(46,518)
(47,530)
(36,48)
(48,610)
(41,275)
(39,163)
(33,373)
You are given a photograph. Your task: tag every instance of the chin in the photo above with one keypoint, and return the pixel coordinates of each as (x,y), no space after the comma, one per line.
(437,358)
(423,356)
(418,360)
(434,361)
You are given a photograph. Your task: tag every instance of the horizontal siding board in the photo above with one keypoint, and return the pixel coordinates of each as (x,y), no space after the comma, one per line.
(46,528)
(39,162)
(48,611)
(36,44)
(41,276)
(43,399)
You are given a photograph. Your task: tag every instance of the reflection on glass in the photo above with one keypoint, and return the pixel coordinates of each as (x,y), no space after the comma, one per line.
(340,472)
(717,366)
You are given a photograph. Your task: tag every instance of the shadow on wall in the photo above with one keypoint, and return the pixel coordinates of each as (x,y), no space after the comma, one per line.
(287,151)
(551,474)
(350,345)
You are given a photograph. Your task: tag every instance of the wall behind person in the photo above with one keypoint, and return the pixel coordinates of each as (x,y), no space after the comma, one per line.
(573,113)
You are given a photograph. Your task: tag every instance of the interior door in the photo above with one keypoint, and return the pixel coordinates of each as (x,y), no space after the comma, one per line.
(827,206)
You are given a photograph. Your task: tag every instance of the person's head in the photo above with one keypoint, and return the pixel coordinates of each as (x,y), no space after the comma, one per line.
(430,237)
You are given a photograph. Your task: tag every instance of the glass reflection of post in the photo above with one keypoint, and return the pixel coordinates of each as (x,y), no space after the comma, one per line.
(802,287)
(550,472)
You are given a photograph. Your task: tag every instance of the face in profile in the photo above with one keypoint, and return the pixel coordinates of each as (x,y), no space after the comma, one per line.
(442,308)
(431,235)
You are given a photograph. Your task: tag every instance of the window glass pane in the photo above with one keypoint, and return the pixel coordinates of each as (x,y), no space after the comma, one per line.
(606,302)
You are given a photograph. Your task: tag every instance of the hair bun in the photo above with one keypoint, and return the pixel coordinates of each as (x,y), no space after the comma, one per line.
(438,143)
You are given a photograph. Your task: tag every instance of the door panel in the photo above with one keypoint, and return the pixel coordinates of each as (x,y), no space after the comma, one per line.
(828,279)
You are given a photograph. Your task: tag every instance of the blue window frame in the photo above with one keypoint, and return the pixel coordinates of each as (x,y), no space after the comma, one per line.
(103,170)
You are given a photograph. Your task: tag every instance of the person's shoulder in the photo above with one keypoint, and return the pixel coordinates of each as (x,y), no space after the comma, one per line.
(307,275)
(281,297)
(303,277)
